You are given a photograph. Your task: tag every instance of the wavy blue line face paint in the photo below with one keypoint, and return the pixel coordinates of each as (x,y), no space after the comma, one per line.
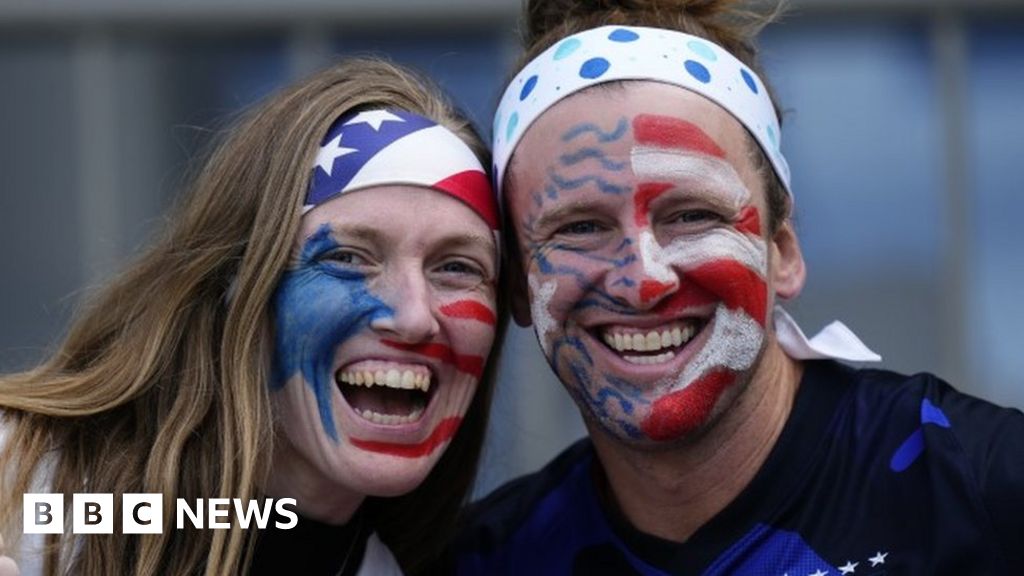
(317,307)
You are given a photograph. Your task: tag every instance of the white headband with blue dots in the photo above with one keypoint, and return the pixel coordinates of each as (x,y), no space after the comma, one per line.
(613,53)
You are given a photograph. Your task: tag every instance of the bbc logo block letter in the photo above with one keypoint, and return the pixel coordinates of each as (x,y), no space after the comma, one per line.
(93,514)
(142,514)
(43,513)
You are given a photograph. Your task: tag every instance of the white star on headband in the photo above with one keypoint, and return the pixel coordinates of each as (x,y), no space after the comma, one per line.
(330,152)
(374,118)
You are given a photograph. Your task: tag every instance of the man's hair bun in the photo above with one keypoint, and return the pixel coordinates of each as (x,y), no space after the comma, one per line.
(545,16)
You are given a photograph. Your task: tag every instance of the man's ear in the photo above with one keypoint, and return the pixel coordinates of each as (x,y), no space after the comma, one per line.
(518,292)
(788,270)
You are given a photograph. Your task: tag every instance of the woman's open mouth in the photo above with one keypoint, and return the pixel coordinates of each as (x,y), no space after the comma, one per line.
(385,392)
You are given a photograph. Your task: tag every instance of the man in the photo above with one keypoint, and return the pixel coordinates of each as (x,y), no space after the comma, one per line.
(652,225)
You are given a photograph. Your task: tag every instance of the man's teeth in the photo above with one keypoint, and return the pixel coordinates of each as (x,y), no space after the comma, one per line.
(650,342)
(650,359)
(390,419)
(407,380)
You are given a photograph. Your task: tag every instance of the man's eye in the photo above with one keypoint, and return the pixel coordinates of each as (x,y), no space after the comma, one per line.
(578,228)
(696,216)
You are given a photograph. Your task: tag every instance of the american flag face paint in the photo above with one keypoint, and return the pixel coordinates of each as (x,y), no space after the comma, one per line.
(647,264)
(384,321)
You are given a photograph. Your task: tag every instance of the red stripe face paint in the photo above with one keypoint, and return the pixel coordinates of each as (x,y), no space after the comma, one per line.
(679,413)
(670,132)
(749,221)
(645,193)
(444,432)
(467,363)
(471,310)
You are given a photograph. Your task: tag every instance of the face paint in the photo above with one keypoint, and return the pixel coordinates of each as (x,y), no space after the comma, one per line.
(651,304)
(317,307)
(444,432)
(383,326)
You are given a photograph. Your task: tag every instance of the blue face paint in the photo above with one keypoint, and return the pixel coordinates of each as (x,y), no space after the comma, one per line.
(317,306)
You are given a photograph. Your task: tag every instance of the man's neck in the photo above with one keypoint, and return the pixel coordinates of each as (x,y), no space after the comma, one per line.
(672,493)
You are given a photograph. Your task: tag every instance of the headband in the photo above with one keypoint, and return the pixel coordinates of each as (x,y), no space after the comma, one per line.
(614,53)
(380,147)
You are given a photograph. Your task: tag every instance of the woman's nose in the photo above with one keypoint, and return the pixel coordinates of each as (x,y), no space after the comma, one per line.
(413,317)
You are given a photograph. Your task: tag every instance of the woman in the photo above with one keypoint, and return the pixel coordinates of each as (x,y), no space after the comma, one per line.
(315,325)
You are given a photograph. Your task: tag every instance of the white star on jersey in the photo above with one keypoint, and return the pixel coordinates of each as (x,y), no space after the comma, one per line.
(849,568)
(878,558)
(330,152)
(374,118)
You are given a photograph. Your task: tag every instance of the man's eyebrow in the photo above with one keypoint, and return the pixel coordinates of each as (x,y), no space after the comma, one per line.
(565,212)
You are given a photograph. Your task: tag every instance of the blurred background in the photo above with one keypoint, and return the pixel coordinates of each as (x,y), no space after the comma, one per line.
(904,126)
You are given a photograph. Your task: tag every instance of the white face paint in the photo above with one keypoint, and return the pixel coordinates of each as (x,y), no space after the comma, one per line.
(540,299)
(690,170)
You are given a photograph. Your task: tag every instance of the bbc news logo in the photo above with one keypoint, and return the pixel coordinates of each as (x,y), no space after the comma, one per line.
(144,513)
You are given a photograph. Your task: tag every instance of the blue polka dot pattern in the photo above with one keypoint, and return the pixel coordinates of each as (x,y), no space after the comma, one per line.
(566,48)
(749,80)
(528,87)
(702,49)
(623,35)
(513,121)
(698,71)
(594,68)
(619,52)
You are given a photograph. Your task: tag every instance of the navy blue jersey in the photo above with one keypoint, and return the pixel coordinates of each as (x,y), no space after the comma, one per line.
(874,473)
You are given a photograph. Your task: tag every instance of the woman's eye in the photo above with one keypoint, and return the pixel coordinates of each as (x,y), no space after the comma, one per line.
(346,257)
(458,267)
(579,228)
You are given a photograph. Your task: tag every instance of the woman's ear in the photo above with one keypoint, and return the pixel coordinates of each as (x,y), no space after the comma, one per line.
(788,270)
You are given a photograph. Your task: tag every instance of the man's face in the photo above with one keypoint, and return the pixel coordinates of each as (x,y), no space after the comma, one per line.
(641,223)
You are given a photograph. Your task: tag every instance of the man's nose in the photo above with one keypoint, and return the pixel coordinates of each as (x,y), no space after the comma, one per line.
(645,278)
(413,318)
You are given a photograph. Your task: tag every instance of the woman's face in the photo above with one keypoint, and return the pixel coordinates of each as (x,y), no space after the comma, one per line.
(384,319)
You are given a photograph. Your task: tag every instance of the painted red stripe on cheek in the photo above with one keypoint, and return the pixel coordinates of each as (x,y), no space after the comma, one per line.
(467,363)
(749,221)
(669,132)
(737,286)
(645,193)
(444,432)
(679,413)
(688,295)
(651,289)
(471,310)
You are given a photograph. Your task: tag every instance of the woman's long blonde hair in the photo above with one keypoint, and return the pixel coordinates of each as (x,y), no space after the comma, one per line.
(161,384)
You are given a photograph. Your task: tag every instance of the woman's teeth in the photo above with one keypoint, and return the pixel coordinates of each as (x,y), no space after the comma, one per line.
(407,380)
(391,419)
(620,340)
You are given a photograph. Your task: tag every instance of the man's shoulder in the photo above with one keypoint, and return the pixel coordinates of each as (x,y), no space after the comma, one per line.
(884,394)
(494,518)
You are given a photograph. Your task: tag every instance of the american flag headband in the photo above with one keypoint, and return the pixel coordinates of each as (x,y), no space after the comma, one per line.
(388,147)
(614,53)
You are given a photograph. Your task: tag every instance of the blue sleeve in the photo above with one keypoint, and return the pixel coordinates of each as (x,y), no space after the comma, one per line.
(992,440)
